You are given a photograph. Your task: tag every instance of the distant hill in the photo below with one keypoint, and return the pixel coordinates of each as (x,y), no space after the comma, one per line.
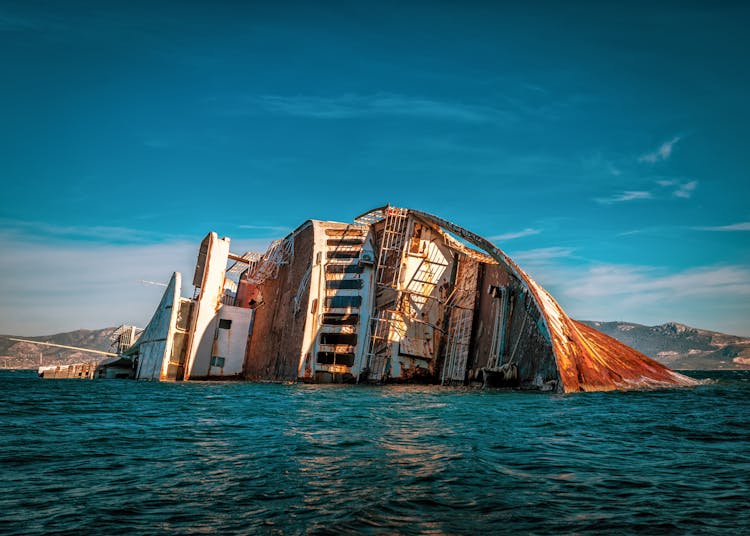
(681,347)
(23,355)
(676,345)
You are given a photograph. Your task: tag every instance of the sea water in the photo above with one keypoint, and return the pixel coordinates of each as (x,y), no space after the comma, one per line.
(125,457)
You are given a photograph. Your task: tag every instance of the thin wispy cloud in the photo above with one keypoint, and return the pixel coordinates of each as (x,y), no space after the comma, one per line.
(633,232)
(648,293)
(512,236)
(614,170)
(622,197)
(660,230)
(734,227)
(649,285)
(665,188)
(662,153)
(598,164)
(541,255)
(685,190)
(534,87)
(351,106)
(678,188)
(36,229)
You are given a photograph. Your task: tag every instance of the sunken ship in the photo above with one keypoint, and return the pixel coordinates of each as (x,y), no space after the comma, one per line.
(398,295)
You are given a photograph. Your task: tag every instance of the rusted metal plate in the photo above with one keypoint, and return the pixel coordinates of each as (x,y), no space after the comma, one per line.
(610,362)
(587,360)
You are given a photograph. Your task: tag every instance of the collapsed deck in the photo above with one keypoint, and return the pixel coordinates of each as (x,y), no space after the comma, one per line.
(398,295)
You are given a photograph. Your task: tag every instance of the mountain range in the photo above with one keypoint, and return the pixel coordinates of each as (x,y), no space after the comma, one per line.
(681,347)
(676,345)
(24,355)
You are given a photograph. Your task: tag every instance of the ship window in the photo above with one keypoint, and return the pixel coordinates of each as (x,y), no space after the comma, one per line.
(348,232)
(342,254)
(338,338)
(333,319)
(343,301)
(217,361)
(350,284)
(345,241)
(332,358)
(344,268)
(225,323)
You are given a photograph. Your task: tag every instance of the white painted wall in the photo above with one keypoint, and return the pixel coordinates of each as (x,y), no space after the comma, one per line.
(208,304)
(365,312)
(154,346)
(317,291)
(231,343)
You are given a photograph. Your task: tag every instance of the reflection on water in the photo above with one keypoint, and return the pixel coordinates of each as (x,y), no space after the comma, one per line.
(139,458)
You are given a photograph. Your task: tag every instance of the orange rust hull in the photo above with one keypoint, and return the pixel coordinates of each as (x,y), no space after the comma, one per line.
(607,364)
(587,360)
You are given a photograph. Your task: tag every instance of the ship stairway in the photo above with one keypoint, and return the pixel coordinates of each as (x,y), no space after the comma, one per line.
(378,357)
(387,275)
(347,247)
(457,352)
(392,246)
(343,253)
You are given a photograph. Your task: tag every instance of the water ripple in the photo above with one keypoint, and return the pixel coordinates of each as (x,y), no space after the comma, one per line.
(118,457)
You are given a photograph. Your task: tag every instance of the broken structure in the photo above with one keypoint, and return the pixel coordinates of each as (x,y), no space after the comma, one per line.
(398,295)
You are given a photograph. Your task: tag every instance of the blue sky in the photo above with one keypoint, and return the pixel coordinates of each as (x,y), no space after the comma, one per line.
(605,148)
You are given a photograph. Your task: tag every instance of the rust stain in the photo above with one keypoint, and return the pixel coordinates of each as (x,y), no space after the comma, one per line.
(587,360)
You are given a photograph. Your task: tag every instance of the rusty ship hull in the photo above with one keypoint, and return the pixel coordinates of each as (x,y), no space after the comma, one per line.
(397,295)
